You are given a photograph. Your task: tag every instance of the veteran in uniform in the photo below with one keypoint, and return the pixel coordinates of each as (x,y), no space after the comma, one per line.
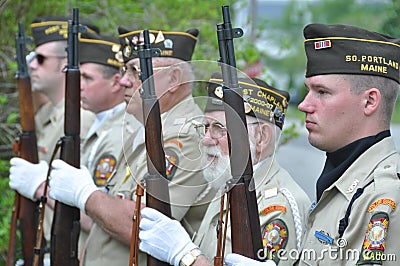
(46,70)
(356,213)
(352,80)
(282,204)
(47,76)
(112,209)
(100,61)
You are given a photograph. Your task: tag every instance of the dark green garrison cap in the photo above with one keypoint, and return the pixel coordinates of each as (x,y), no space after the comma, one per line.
(172,44)
(344,49)
(54,28)
(260,99)
(105,50)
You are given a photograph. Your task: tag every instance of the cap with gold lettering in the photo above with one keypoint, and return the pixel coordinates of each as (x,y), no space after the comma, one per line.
(345,49)
(172,44)
(260,99)
(55,28)
(105,50)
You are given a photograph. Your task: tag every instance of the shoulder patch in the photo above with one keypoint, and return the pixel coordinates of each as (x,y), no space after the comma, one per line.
(385,201)
(104,168)
(174,141)
(274,237)
(171,163)
(273,208)
(372,250)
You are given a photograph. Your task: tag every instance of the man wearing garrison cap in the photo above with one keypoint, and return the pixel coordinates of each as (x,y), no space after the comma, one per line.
(352,79)
(283,205)
(100,61)
(112,209)
(47,76)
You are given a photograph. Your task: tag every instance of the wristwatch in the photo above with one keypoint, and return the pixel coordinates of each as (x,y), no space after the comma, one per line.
(189,258)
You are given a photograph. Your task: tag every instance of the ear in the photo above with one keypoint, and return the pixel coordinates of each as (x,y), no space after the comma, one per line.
(372,101)
(175,78)
(263,136)
(115,83)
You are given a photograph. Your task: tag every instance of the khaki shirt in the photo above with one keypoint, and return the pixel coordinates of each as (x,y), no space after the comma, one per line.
(101,148)
(49,122)
(275,189)
(373,225)
(41,115)
(103,145)
(189,193)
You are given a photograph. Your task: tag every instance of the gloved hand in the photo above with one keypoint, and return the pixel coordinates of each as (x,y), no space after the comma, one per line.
(162,237)
(71,185)
(239,260)
(26,177)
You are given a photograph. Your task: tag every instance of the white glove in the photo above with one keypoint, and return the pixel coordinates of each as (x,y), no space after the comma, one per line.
(71,185)
(26,177)
(163,238)
(239,260)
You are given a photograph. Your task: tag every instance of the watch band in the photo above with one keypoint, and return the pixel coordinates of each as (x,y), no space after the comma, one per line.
(189,258)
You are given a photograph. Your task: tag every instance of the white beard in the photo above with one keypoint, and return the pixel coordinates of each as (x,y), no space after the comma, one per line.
(218,171)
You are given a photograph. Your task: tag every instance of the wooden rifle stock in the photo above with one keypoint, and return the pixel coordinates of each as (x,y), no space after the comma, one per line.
(66,225)
(24,210)
(157,193)
(245,222)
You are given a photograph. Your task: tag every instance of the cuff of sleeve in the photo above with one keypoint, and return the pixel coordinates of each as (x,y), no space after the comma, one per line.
(84,195)
(35,184)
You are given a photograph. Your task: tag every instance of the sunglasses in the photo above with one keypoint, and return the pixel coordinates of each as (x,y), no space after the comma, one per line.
(41,58)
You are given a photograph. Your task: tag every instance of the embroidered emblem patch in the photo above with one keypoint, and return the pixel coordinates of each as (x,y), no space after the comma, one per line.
(104,168)
(375,240)
(171,163)
(273,208)
(274,237)
(388,202)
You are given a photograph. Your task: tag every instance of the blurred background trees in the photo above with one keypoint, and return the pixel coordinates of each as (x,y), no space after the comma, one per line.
(272,47)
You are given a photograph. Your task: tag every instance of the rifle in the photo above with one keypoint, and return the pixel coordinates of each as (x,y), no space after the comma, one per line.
(66,227)
(156,182)
(24,210)
(245,222)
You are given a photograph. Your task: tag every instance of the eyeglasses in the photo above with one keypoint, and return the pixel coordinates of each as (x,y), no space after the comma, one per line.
(217,130)
(41,58)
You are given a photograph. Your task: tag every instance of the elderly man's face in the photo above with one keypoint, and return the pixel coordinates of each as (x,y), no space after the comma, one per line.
(132,83)
(215,148)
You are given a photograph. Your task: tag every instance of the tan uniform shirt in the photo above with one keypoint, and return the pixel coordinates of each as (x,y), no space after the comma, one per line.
(189,193)
(41,115)
(49,129)
(278,198)
(103,144)
(373,224)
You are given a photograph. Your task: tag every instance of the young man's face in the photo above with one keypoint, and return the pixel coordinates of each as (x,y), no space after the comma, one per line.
(46,69)
(333,113)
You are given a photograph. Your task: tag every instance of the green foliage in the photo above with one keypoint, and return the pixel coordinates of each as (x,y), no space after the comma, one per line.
(6,203)
(289,132)
(12,118)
